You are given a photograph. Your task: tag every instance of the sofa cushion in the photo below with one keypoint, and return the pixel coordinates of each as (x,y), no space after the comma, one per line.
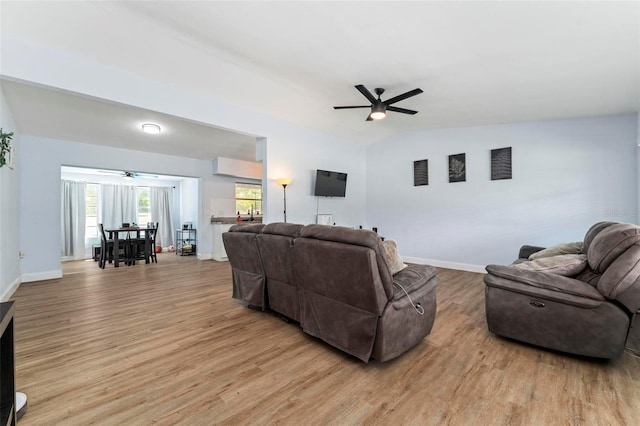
(394,261)
(560,249)
(565,264)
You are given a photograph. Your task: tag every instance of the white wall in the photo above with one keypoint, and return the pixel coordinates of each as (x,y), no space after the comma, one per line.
(9,218)
(299,159)
(39,205)
(190,200)
(638,165)
(290,149)
(567,175)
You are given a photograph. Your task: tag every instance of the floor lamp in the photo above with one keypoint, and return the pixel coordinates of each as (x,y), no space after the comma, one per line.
(284,182)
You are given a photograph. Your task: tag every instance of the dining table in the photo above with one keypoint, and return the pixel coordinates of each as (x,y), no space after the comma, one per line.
(114,234)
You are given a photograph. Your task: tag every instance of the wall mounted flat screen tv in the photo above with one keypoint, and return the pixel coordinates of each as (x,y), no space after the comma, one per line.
(330,184)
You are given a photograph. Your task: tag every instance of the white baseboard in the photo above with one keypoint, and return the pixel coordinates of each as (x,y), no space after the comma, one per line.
(12,289)
(41,276)
(204,256)
(445,264)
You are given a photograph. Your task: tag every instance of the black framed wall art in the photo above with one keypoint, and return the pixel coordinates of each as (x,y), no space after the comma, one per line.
(421,172)
(501,163)
(457,168)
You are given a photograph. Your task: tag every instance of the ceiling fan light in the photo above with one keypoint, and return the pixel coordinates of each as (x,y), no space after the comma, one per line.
(377,115)
(151,128)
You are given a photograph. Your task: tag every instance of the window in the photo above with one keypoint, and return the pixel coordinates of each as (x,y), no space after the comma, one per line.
(91,215)
(248,196)
(144,203)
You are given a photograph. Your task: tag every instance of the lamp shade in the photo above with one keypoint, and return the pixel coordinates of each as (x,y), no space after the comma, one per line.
(283,181)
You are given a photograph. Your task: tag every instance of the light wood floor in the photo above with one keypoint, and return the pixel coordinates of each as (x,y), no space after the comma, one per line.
(166,344)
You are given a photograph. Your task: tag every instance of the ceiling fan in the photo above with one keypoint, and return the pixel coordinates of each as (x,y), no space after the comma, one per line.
(127,175)
(379,107)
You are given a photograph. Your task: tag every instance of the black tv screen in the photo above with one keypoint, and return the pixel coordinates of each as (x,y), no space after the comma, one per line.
(330,184)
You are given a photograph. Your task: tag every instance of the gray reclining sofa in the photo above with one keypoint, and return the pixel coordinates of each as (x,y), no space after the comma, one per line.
(587,311)
(336,283)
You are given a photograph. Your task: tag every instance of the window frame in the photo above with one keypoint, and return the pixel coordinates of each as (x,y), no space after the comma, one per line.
(91,221)
(257,207)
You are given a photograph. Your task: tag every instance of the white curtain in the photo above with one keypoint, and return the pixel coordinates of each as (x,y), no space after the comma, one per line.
(73,214)
(161,207)
(117,205)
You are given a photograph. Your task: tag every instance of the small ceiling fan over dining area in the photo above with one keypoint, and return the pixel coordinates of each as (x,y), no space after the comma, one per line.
(379,107)
(126,175)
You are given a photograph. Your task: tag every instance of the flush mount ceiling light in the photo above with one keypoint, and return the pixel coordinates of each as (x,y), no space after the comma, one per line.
(151,128)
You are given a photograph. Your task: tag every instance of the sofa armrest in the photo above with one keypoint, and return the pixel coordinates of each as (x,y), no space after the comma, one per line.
(414,277)
(542,281)
(526,251)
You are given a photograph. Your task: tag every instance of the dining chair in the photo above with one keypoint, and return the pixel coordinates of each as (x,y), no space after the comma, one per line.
(107,246)
(139,247)
(153,235)
(137,244)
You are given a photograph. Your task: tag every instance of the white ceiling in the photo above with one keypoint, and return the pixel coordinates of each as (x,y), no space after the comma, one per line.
(62,115)
(477,62)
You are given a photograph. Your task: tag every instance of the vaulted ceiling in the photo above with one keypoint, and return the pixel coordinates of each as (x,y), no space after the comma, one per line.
(477,62)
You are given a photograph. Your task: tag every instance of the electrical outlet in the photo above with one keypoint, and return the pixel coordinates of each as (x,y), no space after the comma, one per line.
(21,254)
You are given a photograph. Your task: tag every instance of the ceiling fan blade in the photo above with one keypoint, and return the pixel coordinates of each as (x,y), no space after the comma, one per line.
(367,94)
(109,172)
(348,107)
(369,118)
(402,110)
(403,96)
(145,175)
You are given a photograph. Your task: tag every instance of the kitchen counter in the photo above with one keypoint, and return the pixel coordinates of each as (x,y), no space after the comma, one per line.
(234,219)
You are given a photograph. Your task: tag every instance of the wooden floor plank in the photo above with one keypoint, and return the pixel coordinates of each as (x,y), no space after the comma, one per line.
(166,344)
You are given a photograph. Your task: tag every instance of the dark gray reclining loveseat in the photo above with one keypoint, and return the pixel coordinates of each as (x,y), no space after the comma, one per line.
(336,282)
(585,312)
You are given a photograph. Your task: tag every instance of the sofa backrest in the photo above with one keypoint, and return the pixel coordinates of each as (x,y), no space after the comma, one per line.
(615,253)
(592,232)
(241,246)
(345,264)
(251,228)
(276,249)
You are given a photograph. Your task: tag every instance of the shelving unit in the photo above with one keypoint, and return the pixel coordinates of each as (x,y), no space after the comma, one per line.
(186,242)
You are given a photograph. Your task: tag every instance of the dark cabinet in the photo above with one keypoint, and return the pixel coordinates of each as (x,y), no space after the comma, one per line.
(7,366)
